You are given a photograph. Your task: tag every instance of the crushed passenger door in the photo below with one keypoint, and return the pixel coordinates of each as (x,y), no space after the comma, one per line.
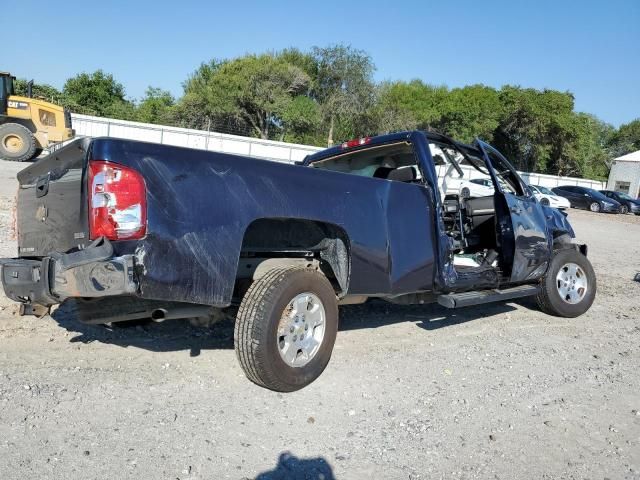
(521,226)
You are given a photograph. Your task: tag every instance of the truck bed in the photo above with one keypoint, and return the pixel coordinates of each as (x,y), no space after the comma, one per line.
(202,204)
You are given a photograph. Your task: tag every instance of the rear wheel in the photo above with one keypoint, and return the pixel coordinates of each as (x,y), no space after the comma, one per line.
(17,143)
(569,287)
(594,207)
(286,327)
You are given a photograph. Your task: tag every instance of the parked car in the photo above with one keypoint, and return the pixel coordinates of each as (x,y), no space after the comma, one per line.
(476,187)
(128,230)
(587,198)
(627,202)
(546,197)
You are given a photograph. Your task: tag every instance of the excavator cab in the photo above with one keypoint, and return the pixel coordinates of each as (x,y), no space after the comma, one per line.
(29,125)
(6,90)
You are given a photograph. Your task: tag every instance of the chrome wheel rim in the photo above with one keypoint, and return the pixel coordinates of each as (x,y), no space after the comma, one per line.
(572,283)
(624,209)
(595,207)
(301,329)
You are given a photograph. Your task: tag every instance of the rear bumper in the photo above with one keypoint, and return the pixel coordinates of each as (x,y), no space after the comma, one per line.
(91,272)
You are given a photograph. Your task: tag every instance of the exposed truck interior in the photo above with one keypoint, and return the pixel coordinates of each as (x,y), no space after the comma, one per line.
(470,222)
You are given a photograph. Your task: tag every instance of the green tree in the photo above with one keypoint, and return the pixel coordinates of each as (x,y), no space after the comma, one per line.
(301,121)
(533,127)
(254,89)
(410,105)
(98,93)
(469,112)
(156,107)
(343,88)
(587,141)
(625,140)
(193,110)
(303,60)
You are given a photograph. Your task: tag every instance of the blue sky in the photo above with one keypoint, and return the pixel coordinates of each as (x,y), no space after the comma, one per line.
(589,48)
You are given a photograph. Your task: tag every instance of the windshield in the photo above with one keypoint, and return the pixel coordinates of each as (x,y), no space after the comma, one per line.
(596,194)
(544,190)
(10,90)
(625,196)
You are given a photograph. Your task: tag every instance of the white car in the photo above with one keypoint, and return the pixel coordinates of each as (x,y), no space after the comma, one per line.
(547,197)
(476,187)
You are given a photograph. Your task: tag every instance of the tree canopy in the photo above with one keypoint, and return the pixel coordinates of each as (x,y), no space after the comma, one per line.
(97,93)
(327,94)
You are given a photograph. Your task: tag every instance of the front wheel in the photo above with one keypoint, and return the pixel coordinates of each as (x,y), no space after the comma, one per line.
(594,207)
(569,287)
(286,327)
(17,143)
(624,209)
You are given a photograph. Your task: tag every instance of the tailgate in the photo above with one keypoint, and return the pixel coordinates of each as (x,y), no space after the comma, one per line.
(51,212)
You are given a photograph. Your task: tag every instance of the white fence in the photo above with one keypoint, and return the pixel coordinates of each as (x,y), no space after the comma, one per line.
(548,181)
(89,126)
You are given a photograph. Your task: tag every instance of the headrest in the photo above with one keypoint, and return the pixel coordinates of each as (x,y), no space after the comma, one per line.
(405,174)
(382,172)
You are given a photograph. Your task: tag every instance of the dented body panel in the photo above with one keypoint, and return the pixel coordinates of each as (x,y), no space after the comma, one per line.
(209,213)
(200,205)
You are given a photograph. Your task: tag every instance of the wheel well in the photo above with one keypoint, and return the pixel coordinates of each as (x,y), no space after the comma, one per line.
(28,124)
(295,239)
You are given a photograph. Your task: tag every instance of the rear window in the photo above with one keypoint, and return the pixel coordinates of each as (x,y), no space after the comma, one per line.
(375,162)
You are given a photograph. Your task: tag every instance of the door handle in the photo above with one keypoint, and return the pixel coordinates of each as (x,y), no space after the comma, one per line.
(516,210)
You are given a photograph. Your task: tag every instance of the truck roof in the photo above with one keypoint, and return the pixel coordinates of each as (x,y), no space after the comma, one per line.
(368,142)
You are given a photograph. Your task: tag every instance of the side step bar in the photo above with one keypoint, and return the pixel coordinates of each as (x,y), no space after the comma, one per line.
(466,299)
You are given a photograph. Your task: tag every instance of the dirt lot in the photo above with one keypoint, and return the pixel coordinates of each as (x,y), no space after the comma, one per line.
(501,391)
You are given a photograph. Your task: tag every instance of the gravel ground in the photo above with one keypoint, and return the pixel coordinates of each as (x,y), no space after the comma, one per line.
(499,391)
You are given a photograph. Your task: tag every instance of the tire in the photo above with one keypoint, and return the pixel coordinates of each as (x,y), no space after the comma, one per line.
(258,328)
(594,207)
(465,193)
(544,201)
(551,300)
(624,209)
(17,143)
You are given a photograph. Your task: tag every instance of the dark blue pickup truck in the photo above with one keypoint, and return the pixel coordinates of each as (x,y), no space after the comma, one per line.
(130,230)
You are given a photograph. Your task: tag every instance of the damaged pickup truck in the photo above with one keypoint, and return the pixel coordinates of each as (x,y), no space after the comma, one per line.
(131,230)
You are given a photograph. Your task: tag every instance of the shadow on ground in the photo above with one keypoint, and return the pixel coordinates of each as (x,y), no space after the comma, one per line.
(177,335)
(168,336)
(291,467)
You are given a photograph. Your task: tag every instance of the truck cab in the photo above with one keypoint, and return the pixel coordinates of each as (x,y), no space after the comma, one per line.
(491,241)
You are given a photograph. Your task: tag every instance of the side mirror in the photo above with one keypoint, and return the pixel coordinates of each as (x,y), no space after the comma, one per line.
(586,194)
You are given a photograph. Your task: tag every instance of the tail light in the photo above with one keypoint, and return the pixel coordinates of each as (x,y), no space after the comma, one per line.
(117,202)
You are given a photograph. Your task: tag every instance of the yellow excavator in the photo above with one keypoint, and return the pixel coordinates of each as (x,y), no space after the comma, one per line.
(29,125)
